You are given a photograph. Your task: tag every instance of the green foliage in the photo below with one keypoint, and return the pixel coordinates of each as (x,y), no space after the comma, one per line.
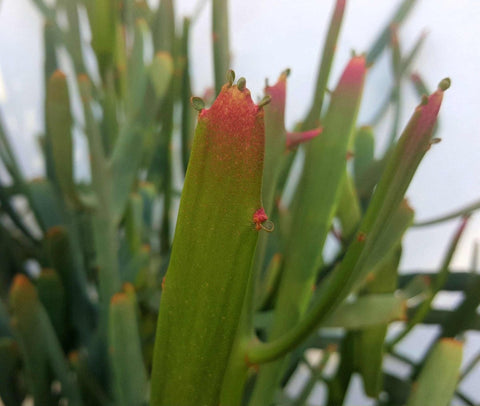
(244,290)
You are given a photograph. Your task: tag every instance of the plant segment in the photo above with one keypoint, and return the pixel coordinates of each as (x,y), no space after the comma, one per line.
(215,238)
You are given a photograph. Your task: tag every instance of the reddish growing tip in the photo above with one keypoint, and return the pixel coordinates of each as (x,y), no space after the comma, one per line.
(278,93)
(55,231)
(22,289)
(127,287)
(83,78)
(58,74)
(463,225)
(353,74)
(340,7)
(427,280)
(118,298)
(231,100)
(234,133)
(394,34)
(73,356)
(48,272)
(429,112)
(294,139)
(20,281)
(452,341)
(208,95)
(259,217)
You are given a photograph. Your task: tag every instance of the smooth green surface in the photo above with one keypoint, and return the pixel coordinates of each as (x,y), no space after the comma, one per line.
(130,376)
(437,381)
(369,344)
(52,295)
(59,124)
(364,149)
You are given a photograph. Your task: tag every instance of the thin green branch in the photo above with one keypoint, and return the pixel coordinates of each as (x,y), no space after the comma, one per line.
(464,211)
(384,38)
(328,54)
(425,307)
(470,367)
(315,375)
(7,155)
(464,398)
(104,221)
(403,358)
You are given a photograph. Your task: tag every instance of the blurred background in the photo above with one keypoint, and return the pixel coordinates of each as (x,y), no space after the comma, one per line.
(268,36)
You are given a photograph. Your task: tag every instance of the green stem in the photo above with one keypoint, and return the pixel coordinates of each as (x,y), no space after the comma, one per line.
(166,168)
(410,57)
(405,65)
(237,371)
(73,37)
(464,211)
(384,38)
(221,47)
(187,126)
(315,375)
(315,111)
(397,73)
(103,220)
(425,307)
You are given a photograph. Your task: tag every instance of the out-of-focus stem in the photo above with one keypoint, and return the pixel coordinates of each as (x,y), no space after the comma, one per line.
(220,37)
(325,66)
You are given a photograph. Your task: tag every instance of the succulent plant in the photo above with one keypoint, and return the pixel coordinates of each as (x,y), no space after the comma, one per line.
(226,311)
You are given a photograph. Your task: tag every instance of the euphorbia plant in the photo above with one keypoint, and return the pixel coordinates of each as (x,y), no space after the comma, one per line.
(226,312)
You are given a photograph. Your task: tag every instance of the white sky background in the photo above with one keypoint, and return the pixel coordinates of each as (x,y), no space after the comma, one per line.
(268,36)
